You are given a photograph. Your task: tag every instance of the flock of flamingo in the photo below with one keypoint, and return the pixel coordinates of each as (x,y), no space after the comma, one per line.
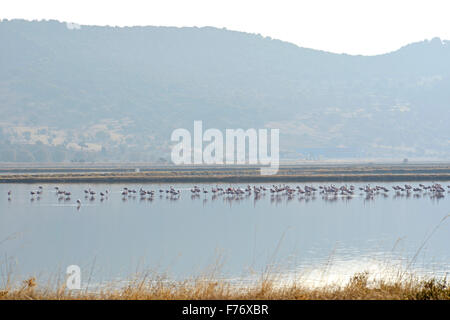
(328,192)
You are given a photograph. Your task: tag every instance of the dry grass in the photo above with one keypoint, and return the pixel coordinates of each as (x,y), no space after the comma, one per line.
(358,288)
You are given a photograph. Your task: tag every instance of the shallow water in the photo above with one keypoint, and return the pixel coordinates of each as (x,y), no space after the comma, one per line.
(312,238)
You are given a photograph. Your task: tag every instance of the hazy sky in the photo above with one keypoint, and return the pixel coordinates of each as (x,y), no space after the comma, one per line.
(350,26)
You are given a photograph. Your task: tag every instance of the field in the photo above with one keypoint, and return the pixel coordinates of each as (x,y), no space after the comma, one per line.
(140,173)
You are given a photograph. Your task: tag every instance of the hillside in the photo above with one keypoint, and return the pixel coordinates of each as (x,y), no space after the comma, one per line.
(108,93)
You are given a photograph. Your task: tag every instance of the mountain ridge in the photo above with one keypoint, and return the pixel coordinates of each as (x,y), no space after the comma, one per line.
(104,93)
(77,26)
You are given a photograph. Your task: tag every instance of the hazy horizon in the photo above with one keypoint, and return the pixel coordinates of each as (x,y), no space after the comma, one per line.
(76,25)
(349,26)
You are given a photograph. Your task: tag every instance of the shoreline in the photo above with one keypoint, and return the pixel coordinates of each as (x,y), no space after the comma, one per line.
(215,174)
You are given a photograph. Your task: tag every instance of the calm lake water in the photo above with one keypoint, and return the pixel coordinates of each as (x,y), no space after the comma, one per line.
(311,237)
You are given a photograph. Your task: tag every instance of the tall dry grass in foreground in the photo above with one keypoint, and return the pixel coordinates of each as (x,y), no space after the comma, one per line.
(358,288)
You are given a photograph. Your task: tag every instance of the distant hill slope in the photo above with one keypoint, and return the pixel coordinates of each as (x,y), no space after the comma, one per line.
(109,93)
